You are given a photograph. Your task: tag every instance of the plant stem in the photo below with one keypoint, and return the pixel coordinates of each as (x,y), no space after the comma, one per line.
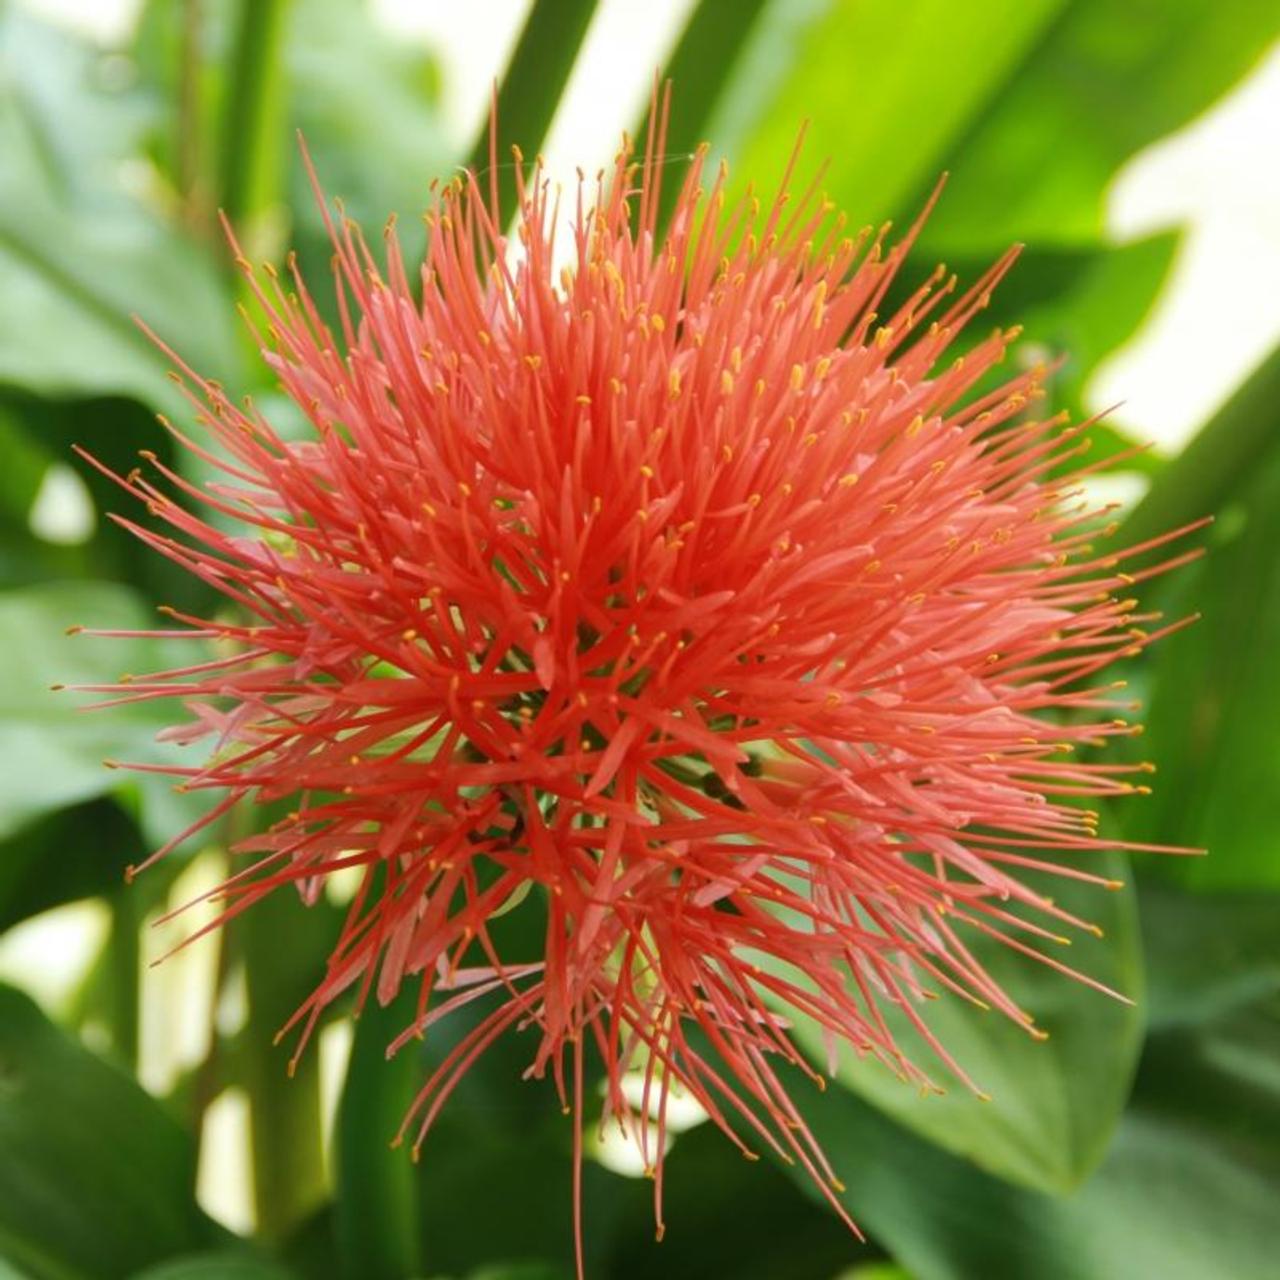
(123,959)
(253,115)
(377,1219)
(284,1110)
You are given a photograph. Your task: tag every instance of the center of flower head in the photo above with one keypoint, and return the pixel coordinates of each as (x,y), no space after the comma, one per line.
(698,587)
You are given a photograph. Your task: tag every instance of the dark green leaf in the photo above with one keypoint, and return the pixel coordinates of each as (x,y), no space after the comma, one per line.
(1215,700)
(1099,84)
(521,1271)
(1176,1197)
(96,1181)
(78,852)
(24,466)
(1207,954)
(700,68)
(888,91)
(216,1266)
(1054,1103)
(743,1214)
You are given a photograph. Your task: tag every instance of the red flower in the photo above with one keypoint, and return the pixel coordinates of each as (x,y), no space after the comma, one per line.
(682,584)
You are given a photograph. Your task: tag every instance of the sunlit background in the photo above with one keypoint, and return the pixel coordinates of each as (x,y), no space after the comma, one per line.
(1212,319)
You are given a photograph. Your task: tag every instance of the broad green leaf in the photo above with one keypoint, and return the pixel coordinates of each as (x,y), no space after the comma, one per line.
(1031,107)
(1183,1194)
(1054,1103)
(68,325)
(1215,702)
(96,1180)
(888,90)
(216,1266)
(1100,83)
(52,744)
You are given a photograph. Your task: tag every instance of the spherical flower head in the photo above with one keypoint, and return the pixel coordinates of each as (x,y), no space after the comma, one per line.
(675,579)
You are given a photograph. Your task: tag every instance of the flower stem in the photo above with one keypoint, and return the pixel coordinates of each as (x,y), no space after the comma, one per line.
(253,119)
(284,1110)
(376,1207)
(123,959)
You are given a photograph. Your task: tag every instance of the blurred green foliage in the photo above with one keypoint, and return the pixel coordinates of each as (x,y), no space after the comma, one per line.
(1138,1141)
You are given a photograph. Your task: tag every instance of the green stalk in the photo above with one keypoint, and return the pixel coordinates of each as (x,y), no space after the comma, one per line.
(123,961)
(532,88)
(376,1211)
(253,119)
(699,69)
(284,1110)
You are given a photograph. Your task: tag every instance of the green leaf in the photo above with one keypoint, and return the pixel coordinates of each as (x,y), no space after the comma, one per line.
(1109,296)
(52,744)
(1215,702)
(1208,955)
(521,1271)
(1077,305)
(888,91)
(747,1214)
(1032,107)
(376,1215)
(1215,467)
(1179,1196)
(77,852)
(284,1104)
(96,1180)
(368,106)
(1054,1103)
(216,1266)
(25,465)
(700,68)
(253,141)
(1099,84)
(67,326)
